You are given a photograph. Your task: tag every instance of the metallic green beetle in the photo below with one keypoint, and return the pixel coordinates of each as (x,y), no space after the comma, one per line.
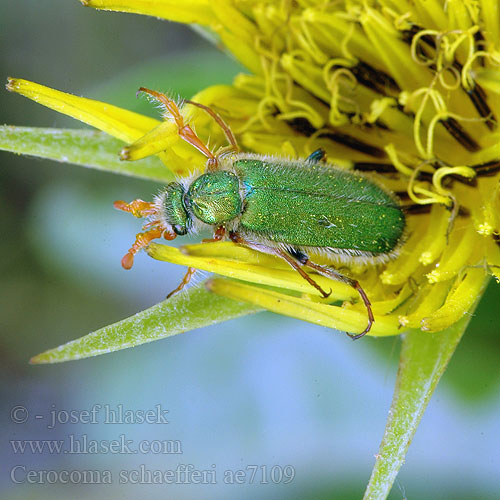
(287,208)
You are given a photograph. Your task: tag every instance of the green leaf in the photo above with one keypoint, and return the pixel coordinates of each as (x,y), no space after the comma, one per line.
(194,308)
(423,359)
(87,148)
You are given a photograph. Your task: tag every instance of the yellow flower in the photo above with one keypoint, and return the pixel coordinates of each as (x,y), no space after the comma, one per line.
(409,91)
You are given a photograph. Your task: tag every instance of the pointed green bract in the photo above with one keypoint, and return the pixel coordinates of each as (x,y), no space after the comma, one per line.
(195,308)
(87,148)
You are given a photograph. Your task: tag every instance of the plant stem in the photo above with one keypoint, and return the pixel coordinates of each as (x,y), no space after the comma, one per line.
(423,359)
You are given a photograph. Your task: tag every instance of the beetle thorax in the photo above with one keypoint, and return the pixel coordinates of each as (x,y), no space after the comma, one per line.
(214,198)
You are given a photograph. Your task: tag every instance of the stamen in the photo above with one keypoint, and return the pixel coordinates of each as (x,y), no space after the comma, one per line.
(478,98)
(459,134)
(304,127)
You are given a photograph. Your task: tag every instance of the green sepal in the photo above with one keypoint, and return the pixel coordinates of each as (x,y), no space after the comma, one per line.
(194,308)
(87,148)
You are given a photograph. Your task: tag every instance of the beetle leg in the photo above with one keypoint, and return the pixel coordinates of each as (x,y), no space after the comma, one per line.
(184,282)
(331,273)
(185,131)
(218,235)
(316,156)
(296,258)
(222,124)
(291,260)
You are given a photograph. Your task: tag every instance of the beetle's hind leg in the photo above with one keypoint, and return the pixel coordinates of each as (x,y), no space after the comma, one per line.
(292,258)
(329,272)
(296,259)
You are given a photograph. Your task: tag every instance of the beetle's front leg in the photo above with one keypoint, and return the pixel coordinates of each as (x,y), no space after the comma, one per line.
(218,235)
(232,148)
(183,129)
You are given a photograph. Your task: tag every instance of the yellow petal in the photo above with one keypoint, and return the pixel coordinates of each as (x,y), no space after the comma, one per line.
(432,298)
(255,273)
(395,53)
(436,237)
(383,307)
(307,75)
(179,156)
(490,19)
(233,19)
(489,79)
(398,271)
(320,314)
(243,51)
(431,13)
(120,123)
(159,138)
(230,251)
(185,11)
(461,244)
(459,301)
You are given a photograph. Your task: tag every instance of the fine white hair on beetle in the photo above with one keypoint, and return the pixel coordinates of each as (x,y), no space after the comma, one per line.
(177,99)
